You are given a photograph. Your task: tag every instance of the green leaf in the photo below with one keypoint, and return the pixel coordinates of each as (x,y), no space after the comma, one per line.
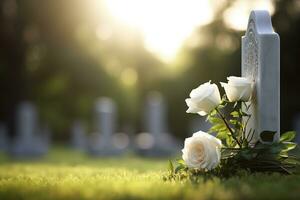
(287,136)
(179,168)
(233,121)
(215,120)
(180,161)
(221,106)
(218,127)
(283,155)
(235,114)
(213,112)
(171,167)
(289,146)
(229,142)
(222,135)
(267,136)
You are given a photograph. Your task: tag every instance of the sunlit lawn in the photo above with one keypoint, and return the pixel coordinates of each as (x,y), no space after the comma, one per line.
(69,175)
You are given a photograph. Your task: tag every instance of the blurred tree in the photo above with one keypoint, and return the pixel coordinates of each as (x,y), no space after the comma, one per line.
(286,21)
(13,75)
(64,55)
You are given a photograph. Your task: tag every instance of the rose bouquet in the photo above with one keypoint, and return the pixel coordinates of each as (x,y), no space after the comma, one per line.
(234,148)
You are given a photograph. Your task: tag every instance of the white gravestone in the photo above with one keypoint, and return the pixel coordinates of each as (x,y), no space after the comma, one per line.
(156,116)
(43,140)
(156,141)
(78,135)
(28,140)
(261,63)
(101,141)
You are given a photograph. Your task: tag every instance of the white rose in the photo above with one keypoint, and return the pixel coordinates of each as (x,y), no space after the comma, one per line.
(202,151)
(203,99)
(238,88)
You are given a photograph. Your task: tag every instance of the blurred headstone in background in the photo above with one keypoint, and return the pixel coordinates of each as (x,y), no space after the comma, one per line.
(130,132)
(120,141)
(30,140)
(296,127)
(78,135)
(198,124)
(44,137)
(144,142)
(156,141)
(101,141)
(4,141)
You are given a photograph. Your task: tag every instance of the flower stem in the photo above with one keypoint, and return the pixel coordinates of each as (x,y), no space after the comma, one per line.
(228,127)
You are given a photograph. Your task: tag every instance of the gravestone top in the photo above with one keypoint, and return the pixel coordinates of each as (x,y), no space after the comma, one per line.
(27,120)
(261,64)
(105,104)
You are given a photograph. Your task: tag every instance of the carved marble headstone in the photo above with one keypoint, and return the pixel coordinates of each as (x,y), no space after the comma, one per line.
(261,63)
(101,141)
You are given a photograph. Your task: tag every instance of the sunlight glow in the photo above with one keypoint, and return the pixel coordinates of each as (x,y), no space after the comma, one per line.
(237,16)
(129,76)
(165,24)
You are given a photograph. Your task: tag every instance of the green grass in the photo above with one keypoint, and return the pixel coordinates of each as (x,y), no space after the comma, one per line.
(70,175)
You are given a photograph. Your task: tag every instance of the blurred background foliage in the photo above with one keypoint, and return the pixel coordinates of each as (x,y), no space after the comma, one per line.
(63,55)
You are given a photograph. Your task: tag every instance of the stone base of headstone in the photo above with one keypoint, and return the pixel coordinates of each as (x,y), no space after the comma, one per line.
(121,141)
(78,136)
(103,147)
(31,147)
(36,147)
(30,139)
(156,141)
(166,146)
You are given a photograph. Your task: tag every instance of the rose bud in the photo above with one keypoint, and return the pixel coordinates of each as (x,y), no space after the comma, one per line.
(238,88)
